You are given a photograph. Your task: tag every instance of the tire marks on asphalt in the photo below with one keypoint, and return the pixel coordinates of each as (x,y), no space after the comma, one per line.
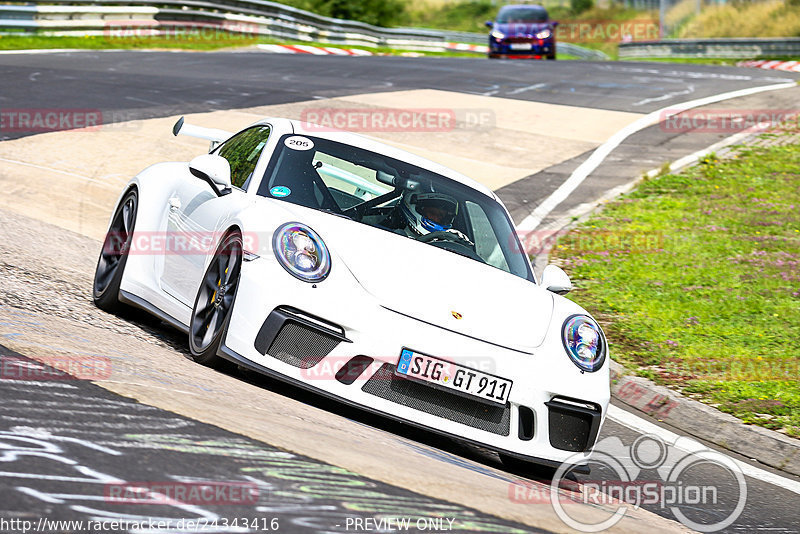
(63,451)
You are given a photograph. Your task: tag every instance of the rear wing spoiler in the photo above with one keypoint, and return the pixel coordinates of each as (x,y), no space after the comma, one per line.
(209,134)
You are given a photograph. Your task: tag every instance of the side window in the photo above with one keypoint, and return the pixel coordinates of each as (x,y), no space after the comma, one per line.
(486,244)
(242,152)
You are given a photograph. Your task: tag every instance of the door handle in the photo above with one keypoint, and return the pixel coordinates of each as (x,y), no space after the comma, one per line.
(174,204)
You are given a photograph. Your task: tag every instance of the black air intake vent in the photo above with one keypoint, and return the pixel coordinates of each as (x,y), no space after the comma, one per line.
(297,338)
(573,424)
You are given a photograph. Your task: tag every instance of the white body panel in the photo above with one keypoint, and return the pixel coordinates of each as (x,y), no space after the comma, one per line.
(376,292)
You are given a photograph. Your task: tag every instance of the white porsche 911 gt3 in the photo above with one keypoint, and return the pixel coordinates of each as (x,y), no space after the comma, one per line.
(364,273)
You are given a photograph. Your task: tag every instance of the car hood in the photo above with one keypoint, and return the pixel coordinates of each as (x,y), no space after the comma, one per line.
(518,29)
(434,285)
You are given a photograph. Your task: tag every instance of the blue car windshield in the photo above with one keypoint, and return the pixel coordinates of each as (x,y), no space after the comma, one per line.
(377,190)
(521,14)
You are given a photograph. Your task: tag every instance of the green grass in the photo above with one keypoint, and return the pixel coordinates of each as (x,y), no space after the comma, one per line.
(696,278)
(189,41)
(772,18)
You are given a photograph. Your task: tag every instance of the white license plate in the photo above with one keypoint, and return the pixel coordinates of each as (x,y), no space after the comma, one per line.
(521,46)
(452,376)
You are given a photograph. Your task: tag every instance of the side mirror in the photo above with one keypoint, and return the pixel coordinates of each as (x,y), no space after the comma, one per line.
(554,23)
(489,24)
(556,280)
(213,169)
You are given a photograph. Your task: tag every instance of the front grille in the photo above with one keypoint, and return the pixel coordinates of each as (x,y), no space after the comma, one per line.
(386,385)
(301,346)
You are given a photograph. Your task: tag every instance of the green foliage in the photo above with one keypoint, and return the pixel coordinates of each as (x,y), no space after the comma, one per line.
(579,6)
(376,12)
(468,16)
(744,19)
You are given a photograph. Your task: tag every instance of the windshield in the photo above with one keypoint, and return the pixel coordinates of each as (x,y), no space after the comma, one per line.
(394,196)
(522,14)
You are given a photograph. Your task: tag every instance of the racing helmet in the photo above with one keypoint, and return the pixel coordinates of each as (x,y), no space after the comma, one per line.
(428,212)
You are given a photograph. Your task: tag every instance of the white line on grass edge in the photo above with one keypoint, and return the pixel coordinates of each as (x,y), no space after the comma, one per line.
(532,221)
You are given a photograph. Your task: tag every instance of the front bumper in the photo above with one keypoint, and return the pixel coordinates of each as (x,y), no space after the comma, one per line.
(553,413)
(534,48)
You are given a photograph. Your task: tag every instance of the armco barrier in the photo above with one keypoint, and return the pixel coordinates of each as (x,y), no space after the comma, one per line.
(561,46)
(258,17)
(739,48)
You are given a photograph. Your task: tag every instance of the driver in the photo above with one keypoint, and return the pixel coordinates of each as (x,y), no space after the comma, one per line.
(429,212)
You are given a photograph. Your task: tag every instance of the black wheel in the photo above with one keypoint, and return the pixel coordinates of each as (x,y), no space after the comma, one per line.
(212,307)
(551,56)
(114,256)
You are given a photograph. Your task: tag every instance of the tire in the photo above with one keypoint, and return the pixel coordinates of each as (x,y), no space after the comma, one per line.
(212,306)
(551,57)
(114,255)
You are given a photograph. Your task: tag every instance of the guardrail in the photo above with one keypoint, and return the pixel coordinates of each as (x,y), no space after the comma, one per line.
(561,46)
(252,17)
(741,48)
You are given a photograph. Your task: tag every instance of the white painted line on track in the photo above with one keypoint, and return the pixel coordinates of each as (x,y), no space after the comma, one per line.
(43,51)
(584,209)
(532,221)
(637,424)
(528,88)
(65,173)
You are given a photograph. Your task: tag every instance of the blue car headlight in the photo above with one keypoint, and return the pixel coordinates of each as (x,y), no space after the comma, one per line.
(498,35)
(301,252)
(544,34)
(584,343)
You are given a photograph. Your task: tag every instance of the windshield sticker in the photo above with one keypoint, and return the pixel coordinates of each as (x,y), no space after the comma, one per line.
(280,191)
(297,142)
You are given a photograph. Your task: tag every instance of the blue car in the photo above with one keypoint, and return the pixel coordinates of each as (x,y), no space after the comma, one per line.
(522,31)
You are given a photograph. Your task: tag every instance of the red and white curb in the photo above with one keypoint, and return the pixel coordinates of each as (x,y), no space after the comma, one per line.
(463,47)
(793,66)
(313,50)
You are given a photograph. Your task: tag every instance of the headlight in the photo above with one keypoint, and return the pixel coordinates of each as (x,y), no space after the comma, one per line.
(544,34)
(498,35)
(584,343)
(301,252)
